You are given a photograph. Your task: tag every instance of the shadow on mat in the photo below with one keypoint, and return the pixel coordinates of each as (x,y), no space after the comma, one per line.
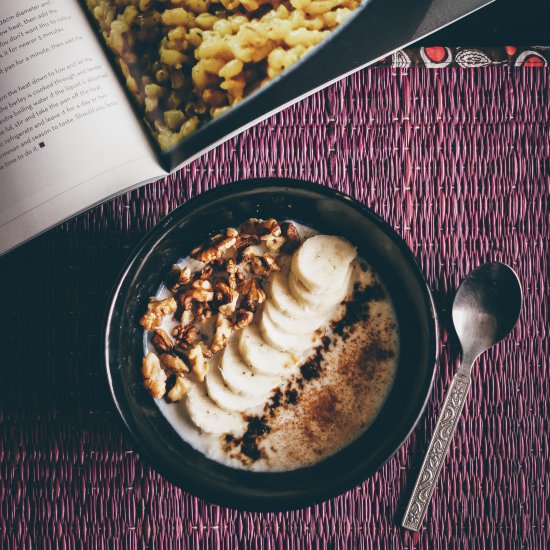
(56,291)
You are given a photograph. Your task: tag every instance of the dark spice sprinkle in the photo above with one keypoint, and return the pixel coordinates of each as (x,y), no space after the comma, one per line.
(257,427)
(291,397)
(357,309)
(310,371)
(249,442)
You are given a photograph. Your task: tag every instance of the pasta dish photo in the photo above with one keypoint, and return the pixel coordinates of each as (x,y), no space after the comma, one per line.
(188,61)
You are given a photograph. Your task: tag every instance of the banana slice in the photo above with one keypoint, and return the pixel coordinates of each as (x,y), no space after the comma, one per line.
(282,340)
(227,399)
(285,321)
(321,263)
(208,417)
(320,303)
(282,298)
(261,357)
(240,377)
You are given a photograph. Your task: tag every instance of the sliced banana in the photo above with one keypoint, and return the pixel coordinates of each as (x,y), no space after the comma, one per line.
(282,340)
(208,417)
(240,377)
(302,325)
(261,357)
(282,298)
(318,302)
(321,263)
(225,397)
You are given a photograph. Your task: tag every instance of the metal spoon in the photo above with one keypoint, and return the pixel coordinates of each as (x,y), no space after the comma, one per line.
(485,309)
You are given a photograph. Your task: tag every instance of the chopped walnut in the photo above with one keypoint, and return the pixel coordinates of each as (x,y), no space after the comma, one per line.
(222,334)
(202,291)
(187,316)
(254,226)
(273,243)
(162,341)
(186,302)
(252,291)
(180,388)
(246,255)
(203,312)
(292,237)
(231,268)
(226,298)
(156,310)
(187,334)
(243,319)
(216,248)
(173,363)
(154,377)
(199,365)
(179,277)
(205,273)
(185,337)
(264,265)
(206,351)
(244,241)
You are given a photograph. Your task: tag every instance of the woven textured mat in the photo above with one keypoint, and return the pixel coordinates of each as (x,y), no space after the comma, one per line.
(458,161)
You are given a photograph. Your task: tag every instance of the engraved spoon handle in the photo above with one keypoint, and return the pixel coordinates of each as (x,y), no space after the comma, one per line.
(441,439)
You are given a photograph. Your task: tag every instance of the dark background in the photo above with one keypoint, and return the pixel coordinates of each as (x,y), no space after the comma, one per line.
(503,23)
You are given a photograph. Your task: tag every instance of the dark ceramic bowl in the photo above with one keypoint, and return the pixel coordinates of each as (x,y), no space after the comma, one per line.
(329,212)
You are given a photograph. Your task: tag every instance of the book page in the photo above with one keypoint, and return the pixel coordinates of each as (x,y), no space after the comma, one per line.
(68,136)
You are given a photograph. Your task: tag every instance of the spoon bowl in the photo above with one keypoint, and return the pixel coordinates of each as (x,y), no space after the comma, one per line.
(486,308)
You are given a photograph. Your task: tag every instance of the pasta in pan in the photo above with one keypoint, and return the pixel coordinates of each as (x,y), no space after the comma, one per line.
(187,61)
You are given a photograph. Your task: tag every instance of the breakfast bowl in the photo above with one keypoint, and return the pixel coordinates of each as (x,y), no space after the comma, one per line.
(328,212)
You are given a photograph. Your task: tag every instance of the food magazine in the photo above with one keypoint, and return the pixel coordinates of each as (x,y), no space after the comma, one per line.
(100,96)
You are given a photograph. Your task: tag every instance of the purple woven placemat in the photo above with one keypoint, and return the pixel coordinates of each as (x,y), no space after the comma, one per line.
(458,161)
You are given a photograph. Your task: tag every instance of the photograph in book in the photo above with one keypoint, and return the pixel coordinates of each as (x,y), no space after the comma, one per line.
(188,61)
(98,97)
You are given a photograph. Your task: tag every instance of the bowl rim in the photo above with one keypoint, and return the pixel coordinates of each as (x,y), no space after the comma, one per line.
(149,242)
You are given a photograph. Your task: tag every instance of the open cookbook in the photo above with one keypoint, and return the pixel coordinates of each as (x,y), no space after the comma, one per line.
(100,96)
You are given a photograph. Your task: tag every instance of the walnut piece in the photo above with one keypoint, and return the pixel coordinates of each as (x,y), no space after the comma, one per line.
(231,268)
(205,273)
(255,226)
(246,255)
(273,243)
(290,233)
(198,364)
(202,291)
(243,319)
(217,247)
(263,266)
(186,317)
(154,377)
(188,334)
(173,363)
(252,291)
(226,298)
(180,388)
(245,240)
(156,310)
(162,341)
(206,351)
(222,334)
(179,277)
(185,337)
(203,312)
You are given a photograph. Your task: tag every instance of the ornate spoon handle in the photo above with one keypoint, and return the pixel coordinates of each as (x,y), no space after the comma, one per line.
(441,439)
